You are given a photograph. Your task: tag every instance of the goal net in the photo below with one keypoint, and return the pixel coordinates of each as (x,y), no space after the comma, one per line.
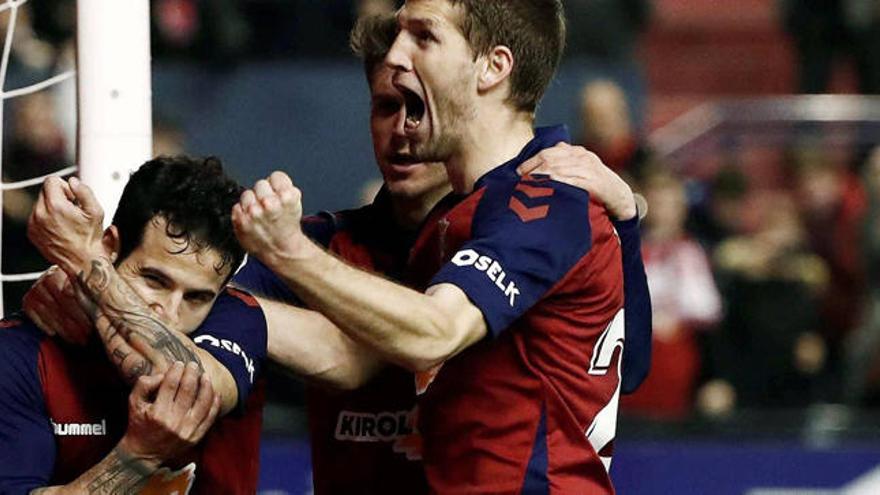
(110,117)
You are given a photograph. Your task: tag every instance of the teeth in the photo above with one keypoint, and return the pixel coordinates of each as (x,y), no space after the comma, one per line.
(412,121)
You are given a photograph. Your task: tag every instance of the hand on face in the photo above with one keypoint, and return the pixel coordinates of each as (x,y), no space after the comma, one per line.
(165,427)
(576,166)
(54,305)
(267,218)
(66,224)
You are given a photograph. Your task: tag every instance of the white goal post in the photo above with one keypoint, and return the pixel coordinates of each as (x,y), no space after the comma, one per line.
(114,130)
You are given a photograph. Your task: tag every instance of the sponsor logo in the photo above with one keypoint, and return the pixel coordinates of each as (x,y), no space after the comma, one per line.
(492,268)
(79,429)
(230,346)
(370,427)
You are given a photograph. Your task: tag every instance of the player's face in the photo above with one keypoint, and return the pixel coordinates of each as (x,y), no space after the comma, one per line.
(435,70)
(179,284)
(404,175)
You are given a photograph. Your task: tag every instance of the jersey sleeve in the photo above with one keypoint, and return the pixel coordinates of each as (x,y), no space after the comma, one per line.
(257,278)
(27,443)
(235,334)
(525,237)
(636,309)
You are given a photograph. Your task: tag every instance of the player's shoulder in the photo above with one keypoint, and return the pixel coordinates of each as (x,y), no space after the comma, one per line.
(322,226)
(536,206)
(20,343)
(236,306)
(18,334)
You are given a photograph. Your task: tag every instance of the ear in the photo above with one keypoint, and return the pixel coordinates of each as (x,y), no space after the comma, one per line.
(497,67)
(110,241)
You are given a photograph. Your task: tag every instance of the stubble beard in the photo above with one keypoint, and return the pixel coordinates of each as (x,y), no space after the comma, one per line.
(454,111)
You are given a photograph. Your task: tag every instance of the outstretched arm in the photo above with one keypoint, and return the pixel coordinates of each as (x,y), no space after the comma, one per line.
(309,345)
(415,330)
(66,227)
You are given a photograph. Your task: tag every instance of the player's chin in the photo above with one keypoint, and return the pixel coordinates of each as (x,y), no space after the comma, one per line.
(408,183)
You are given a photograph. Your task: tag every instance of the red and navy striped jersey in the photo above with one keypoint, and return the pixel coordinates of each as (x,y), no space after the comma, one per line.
(63,408)
(533,407)
(362,441)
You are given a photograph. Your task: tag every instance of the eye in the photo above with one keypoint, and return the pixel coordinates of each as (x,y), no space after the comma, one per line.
(154,281)
(424,36)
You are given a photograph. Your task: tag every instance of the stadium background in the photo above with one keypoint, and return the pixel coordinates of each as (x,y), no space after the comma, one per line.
(765,198)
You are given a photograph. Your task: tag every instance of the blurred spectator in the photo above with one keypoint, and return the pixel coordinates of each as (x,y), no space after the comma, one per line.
(54,20)
(37,145)
(608,130)
(863,346)
(684,299)
(602,40)
(34,147)
(825,29)
(168,138)
(216,31)
(721,213)
(768,352)
(832,200)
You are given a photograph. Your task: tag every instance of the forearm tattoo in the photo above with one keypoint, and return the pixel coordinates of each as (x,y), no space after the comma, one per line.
(122,474)
(121,316)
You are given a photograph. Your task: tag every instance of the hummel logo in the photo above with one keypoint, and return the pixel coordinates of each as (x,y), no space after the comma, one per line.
(80,429)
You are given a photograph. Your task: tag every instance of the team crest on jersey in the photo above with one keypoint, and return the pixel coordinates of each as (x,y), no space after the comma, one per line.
(166,482)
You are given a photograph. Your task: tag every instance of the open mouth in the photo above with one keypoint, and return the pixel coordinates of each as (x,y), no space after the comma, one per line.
(415,108)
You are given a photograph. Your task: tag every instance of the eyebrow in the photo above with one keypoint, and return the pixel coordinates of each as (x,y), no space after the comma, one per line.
(423,22)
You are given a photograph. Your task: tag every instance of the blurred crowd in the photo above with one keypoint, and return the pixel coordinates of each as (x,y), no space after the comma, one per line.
(766,293)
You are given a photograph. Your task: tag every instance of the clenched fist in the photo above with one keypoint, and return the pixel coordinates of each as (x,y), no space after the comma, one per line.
(267,219)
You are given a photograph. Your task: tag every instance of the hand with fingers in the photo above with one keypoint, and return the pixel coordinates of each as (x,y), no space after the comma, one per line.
(576,166)
(267,219)
(66,224)
(168,414)
(55,304)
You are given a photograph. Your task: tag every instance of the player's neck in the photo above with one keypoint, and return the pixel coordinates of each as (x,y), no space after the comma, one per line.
(493,138)
(410,212)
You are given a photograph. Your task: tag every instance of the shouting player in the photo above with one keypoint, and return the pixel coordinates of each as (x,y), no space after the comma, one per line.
(520,327)
(161,266)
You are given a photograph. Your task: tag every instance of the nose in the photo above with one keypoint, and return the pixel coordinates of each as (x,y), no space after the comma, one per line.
(400,123)
(168,308)
(398,57)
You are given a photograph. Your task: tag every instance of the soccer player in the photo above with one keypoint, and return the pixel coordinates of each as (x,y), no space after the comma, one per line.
(162,265)
(523,302)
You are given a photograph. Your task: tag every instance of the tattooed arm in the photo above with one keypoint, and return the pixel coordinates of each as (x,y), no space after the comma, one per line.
(159,430)
(65,226)
(136,339)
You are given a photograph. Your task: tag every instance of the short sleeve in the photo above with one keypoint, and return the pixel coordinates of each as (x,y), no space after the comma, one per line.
(235,334)
(257,278)
(637,308)
(27,444)
(525,237)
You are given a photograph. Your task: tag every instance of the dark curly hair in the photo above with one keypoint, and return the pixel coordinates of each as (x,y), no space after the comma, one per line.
(193,195)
